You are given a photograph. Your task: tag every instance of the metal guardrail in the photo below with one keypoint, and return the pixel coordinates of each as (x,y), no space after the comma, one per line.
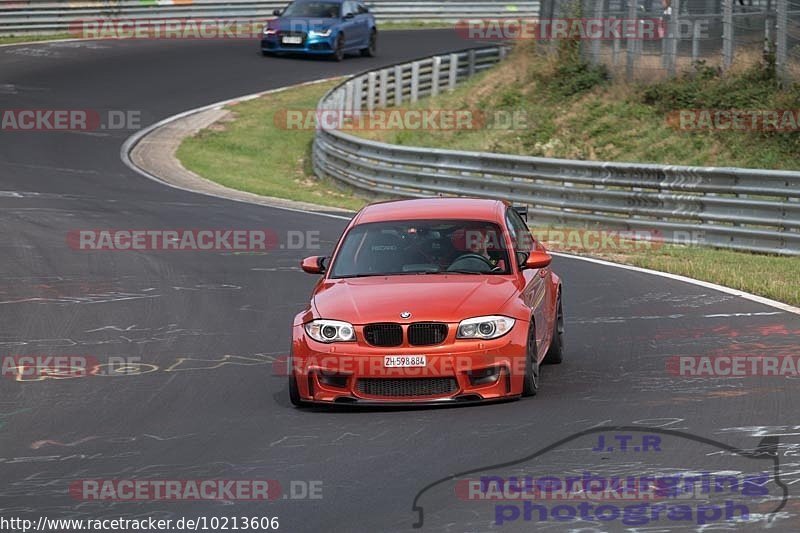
(39,16)
(745,209)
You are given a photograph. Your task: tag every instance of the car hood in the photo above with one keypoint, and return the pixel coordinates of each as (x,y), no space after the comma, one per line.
(439,297)
(302,24)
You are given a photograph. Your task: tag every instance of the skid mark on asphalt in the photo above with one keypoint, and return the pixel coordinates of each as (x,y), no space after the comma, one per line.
(677,300)
(71,292)
(138,368)
(89,299)
(105,440)
(290,439)
(42,443)
(623,319)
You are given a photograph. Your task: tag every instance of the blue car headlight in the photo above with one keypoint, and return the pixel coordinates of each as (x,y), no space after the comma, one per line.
(320,33)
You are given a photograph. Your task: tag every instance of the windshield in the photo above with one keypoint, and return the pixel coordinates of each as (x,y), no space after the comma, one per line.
(422,247)
(312,9)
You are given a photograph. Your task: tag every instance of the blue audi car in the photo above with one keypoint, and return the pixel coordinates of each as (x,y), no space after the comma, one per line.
(321,27)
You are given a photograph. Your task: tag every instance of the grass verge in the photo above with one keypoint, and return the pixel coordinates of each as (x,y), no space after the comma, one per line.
(14,39)
(251,151)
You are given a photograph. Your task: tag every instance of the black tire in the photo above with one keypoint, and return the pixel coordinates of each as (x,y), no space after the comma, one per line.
(555,354)
(266,54)
(530,383)
(294,393)
(372,49)
(338,48)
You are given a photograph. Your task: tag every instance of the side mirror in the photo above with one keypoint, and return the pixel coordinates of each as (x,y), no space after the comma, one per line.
(276,12)
(348,16)
(538,259)
(313,265)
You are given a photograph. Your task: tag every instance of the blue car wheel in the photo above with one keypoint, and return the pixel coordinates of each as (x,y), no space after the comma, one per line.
(372,48)
(338,48)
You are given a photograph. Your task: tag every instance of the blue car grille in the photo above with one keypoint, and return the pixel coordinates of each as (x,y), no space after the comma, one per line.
(282,34)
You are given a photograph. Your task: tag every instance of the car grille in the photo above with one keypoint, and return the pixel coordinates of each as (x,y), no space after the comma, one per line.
(407,387)
(282,34)
(383,334)
(425,333)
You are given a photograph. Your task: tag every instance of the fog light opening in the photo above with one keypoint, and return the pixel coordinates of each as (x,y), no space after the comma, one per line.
(485,376)
(332,379)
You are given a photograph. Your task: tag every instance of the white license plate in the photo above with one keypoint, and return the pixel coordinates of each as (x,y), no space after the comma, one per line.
(292,40)
(404,361)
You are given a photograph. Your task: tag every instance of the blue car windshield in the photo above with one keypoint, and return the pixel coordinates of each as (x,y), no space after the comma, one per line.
(313,9)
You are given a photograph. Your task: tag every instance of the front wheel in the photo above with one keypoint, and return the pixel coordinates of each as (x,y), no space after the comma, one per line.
(555,355)
(530,385)
(372,49)
(338,48)
(294,393)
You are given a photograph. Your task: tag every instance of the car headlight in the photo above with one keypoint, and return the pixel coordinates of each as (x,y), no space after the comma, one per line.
(324,33)
(484,327)
(270,31)
(330,331)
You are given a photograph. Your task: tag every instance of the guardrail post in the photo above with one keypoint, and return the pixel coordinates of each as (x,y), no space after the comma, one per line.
(781,40)
(595,48)
(414,81)
(453,72)
(357,95)
(383,87)
(398,84)
(615,49)
(674,30)
(697,29)
(370,91)
(437,65)
(727,34)
(471,63)
(631,43)
(348,99)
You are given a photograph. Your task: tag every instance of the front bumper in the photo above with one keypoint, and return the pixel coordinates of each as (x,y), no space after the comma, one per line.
(310,45)
(456,371)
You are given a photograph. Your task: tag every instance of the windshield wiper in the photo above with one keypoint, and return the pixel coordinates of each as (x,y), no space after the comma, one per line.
(463,272)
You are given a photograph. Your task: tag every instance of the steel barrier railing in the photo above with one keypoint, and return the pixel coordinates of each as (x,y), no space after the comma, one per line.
(746,209)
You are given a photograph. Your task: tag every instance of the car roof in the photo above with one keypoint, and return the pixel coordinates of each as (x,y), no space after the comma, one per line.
(432,209)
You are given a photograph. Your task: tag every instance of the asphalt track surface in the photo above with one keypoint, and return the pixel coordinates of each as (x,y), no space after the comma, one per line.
(211,324)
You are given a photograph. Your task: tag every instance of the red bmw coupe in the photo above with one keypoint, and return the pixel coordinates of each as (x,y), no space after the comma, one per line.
(428,301)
